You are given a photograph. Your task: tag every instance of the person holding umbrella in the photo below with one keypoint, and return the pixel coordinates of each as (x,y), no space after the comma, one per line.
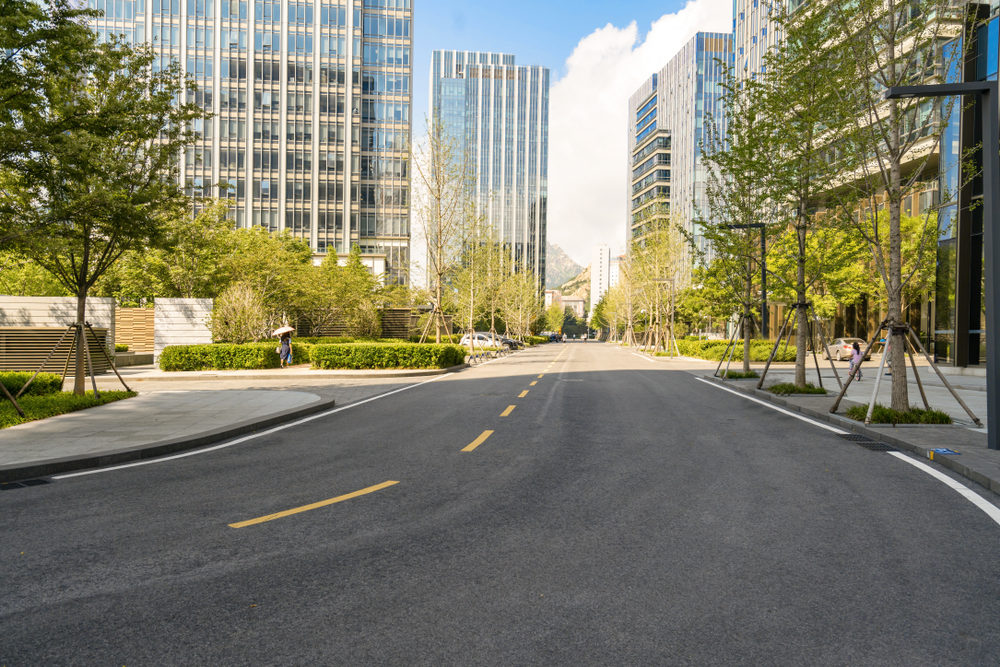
(285,350)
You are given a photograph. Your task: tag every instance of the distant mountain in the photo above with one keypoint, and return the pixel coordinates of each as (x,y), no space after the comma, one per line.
(578,286)
(558,267)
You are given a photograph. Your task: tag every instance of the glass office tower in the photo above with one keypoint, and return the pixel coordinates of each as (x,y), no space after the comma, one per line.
(497,113)
(668,118)
(311,112)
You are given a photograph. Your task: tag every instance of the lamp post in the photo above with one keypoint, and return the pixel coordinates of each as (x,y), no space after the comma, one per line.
(987,92)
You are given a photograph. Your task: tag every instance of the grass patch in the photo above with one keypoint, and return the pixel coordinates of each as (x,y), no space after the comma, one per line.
(40,407)
(737,375)
(788,388)
(883,415)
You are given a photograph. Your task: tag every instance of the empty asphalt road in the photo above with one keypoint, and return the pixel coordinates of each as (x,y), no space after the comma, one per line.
(570,504)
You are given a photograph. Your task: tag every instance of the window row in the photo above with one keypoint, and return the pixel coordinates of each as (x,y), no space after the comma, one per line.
(393,112)
(373,167)
(388,4)
(378,224)
(382,195)
(380,83)
(386,26)
(380,54)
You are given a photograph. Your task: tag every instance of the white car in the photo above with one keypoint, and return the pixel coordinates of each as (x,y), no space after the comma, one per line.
(483,340)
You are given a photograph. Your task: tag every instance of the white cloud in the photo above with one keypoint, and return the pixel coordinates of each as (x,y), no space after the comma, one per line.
(588,135)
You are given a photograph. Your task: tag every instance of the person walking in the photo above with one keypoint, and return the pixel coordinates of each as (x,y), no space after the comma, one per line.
(285,351)
(856,357)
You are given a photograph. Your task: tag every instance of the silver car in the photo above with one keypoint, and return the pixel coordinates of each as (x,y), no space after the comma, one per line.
(842,349)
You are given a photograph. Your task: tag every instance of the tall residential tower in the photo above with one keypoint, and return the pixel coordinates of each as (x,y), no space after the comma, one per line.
(311,112)
(497,113)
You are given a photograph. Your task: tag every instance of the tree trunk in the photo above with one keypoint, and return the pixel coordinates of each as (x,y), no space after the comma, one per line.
(80,383)
(746,317)
(900,397)
(802,335)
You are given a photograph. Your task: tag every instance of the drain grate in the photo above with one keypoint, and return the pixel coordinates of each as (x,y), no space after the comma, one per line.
(867,443)
(7,486)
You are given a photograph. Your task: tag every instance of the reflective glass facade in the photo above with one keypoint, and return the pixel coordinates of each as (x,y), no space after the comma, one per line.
(667,123)
(497,112)
(311,102)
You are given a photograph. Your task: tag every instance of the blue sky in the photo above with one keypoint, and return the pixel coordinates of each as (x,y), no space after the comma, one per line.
(615,46)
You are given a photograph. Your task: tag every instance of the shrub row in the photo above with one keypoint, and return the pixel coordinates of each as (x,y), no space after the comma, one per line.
(43,384)
(536,340)
(789,388)
(713,350)
(40,407)
(385,355)
(228,356)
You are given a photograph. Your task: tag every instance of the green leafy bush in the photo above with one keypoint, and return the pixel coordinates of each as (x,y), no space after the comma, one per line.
(121,347)
(228,356)
(445,339)
(737,375)
(335,340)
(385,355)
(536,340)
(883,415)
(713,350)
(40,407)
(43,384)
(788,388)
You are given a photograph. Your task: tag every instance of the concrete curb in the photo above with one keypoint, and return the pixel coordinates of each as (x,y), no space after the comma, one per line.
(206,376)
(875,434)
(155,449)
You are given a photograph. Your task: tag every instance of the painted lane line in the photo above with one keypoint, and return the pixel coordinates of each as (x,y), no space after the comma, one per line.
(533,383)
(991,510)
(478,441)
(313,506)
(523,394)
(541,375)
(510,409)
(251,436)
(828,427)
(641,356)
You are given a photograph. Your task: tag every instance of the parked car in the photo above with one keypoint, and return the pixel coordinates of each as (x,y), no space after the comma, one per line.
(555,338)
(484,339)
(841,349)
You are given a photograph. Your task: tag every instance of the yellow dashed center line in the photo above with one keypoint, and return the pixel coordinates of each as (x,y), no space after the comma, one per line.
(541,375)
(533,383)
(478,441)
(510,409)
(523,394)
(306,508)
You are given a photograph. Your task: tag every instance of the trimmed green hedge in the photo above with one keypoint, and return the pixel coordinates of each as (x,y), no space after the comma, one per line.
(714,349)
(446,339)
(385,355)
(40,407)
(228,356)
(789,388)
(121,347)
(536,340)
(44,384)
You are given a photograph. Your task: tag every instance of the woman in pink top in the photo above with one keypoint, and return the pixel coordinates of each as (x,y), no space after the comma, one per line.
(856,360)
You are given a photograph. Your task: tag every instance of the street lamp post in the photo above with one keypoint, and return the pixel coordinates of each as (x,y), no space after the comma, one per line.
(987,92)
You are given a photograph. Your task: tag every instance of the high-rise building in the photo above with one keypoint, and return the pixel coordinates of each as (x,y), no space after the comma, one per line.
(311,112)
(497,113)
(668,120)
(600,275)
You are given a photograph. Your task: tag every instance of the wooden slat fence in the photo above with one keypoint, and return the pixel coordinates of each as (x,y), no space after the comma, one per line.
(135,327)
(25,348)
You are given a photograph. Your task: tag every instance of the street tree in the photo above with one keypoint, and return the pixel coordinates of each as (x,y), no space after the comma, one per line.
(443,209)
(891,142)
(104,185)
(808,118)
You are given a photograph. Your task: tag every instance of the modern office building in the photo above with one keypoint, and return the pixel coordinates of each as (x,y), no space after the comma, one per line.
(310,103)
(753,34)
(600,275)
(497,113)
(668,119)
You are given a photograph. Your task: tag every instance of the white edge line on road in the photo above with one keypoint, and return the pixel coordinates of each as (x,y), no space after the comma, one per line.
(828,427)
(652,361)
(230,443)
(991,510)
